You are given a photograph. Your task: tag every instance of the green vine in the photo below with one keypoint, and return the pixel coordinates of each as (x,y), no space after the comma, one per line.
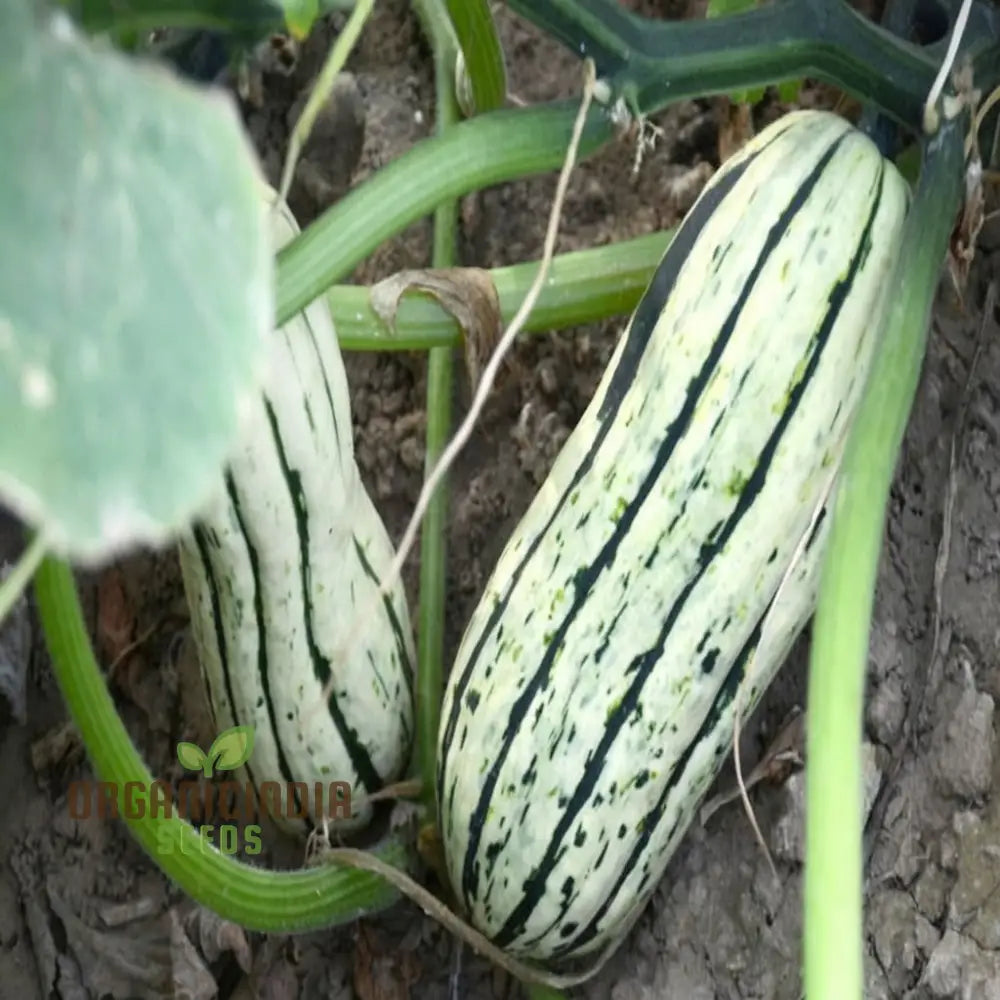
(652,63)
(839,657)
(253,897)
(433,538)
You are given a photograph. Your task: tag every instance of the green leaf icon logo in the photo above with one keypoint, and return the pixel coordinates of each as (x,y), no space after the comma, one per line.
(232,748)
(191,756)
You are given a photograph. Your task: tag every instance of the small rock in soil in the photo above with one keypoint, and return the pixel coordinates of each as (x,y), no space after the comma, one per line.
(975,902)
(931,892)
(948,847)
(959,969)
(902,937)
(886,702)
(965,745)
(189,975)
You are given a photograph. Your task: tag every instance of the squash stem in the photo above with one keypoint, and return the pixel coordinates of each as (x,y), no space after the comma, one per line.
(583,286)
(433,537)
(485,150)
(256,898)
(20,576)
(833,896)
(654,62)
(484,64)
(658,63)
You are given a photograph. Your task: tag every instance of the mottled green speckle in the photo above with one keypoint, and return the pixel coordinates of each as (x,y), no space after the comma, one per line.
(682,685)
(737,483)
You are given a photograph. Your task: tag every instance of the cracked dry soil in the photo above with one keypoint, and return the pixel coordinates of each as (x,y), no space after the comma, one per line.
(84,914)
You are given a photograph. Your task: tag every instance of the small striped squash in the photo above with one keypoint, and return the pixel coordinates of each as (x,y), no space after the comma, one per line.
(592,699)
(276,572)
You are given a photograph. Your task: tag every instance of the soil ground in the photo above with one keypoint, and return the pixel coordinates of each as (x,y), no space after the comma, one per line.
(83,913)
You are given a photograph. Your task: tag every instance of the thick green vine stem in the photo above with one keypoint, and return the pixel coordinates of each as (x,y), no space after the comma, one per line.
(256,898)
(21,574)
(584,286)
(833,873)
(651,64)
(485,150)
(654,62)
(433,537)
(486,74)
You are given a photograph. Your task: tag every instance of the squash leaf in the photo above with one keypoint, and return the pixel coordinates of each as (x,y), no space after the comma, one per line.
(136,293)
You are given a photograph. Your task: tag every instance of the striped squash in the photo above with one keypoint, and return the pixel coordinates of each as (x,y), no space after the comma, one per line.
(592,699)
(276,571)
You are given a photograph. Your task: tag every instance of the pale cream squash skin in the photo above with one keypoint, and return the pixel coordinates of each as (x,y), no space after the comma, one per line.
(294,498)
(591,701)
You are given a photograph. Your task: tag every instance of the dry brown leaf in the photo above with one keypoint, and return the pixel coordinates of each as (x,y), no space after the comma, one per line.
(466,293)
(116,914)
(189,974)
(132,960)
(115,616)
(277,981)
(57,748)
(381,975)
(148,689)
(962,249)
(784,754)
(735,127)
(365,984)
(216,936)
(848,107)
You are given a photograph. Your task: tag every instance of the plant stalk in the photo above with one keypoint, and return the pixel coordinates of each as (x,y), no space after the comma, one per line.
(652,63)
(434,534)
(255,898)
(584,286)
(485,150)
(834,948)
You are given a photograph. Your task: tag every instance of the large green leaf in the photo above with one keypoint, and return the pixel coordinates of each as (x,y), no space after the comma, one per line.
(136,288)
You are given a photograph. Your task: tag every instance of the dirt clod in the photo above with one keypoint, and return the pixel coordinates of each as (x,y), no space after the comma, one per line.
(965,744)
(959,970)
